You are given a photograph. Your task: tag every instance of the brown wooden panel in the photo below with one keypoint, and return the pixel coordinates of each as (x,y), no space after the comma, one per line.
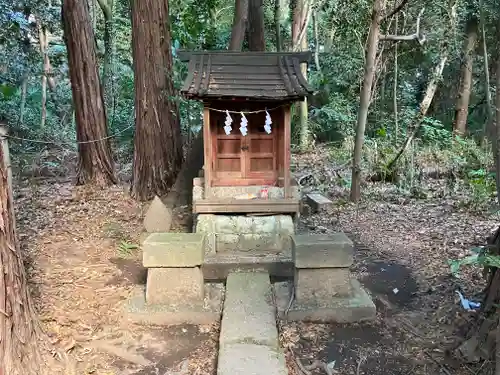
(262,165)
(246,206)
(228,165)
(228,146)
(262,145)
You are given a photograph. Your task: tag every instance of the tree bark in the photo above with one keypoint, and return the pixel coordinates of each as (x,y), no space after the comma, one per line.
(395,85)
(489,110)
(496,149)
(256,40)
(158,143)
(19,352)
(277,24)
(42,38)
(240,23)
(364,103)
(95,165)
(462,108)
(108,71)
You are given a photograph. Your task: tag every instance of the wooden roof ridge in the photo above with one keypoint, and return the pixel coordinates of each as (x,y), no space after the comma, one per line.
(252,75)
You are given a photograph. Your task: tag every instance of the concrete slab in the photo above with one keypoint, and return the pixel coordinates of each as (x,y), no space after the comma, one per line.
(357,307)
(250,359)
(249,312)
(173,250)
(321,284)
(318,202)
(207,311)
(322,250)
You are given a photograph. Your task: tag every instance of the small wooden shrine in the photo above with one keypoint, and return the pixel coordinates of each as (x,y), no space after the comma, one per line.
(246,127)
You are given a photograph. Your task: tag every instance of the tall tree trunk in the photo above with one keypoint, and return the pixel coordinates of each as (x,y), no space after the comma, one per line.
(462,110)
(158,143)
(42,38)
(95,165)
(489,110)
(19,352)
(277,24)
(496,148)
(108,71)
(301,14)
(395,85)
(256,40)
(240,22)
(364,103)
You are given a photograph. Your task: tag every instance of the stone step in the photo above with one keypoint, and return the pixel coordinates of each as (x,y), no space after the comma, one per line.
(248,341)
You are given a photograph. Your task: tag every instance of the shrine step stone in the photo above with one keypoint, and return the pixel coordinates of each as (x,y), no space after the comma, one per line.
(318,202)
(248,341)
(174,285)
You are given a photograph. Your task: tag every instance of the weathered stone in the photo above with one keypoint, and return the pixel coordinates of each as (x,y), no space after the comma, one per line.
(198,193)
(286,225)
(173,250)
(174,286)
(249,312)
(158,217)
(265,224)
(226,242)
(225,224)
(250,359)
(207,311)
(271,242)
(205,223)
(318,202)
(199,181)
(244,224)
(357,307)
(322,251)
(321,284)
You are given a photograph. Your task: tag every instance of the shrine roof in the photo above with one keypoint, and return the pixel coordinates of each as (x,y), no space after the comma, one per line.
(274,76)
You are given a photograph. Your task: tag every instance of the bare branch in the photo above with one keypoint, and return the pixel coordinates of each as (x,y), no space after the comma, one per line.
(418,36)
(395,10)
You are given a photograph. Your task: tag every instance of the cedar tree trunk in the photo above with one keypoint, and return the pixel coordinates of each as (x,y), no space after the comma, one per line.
(462,109)
(158,144)
(239,25)
(95,165)
(256,40)
(19,352)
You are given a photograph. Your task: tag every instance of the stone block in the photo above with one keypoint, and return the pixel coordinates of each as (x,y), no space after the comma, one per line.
(321,284)
(286,225)
(173,250)
(225,224)
(244,224)
(226,242)
(264,224)
(249,312)
(250,359)
(174,286)
(322,251)
(158,217)
(198,193)
(199,181)
(357,307)
(205,223)
(206,311)
(318,202)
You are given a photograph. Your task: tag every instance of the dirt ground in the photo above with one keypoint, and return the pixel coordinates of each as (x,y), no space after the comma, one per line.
(83,266)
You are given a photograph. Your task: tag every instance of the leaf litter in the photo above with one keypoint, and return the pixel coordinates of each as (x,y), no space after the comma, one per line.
(80,277)
(401,243)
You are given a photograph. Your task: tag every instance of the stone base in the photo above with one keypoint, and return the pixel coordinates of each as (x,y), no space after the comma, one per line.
(246,359)
(357,307)
(208,312)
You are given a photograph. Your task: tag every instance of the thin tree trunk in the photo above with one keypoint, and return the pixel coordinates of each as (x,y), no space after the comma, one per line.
(95,165)
(316,42)
(256,40)
(24,90)
(240,23)
(395,85)
(496,149)
(108,71)
(19,352)
(462,109)
(489,110)
(277,24)
(371,54)
(424,106)
(42,37)
(158,144)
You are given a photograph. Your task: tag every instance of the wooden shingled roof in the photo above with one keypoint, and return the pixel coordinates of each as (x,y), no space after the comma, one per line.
(251,75)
